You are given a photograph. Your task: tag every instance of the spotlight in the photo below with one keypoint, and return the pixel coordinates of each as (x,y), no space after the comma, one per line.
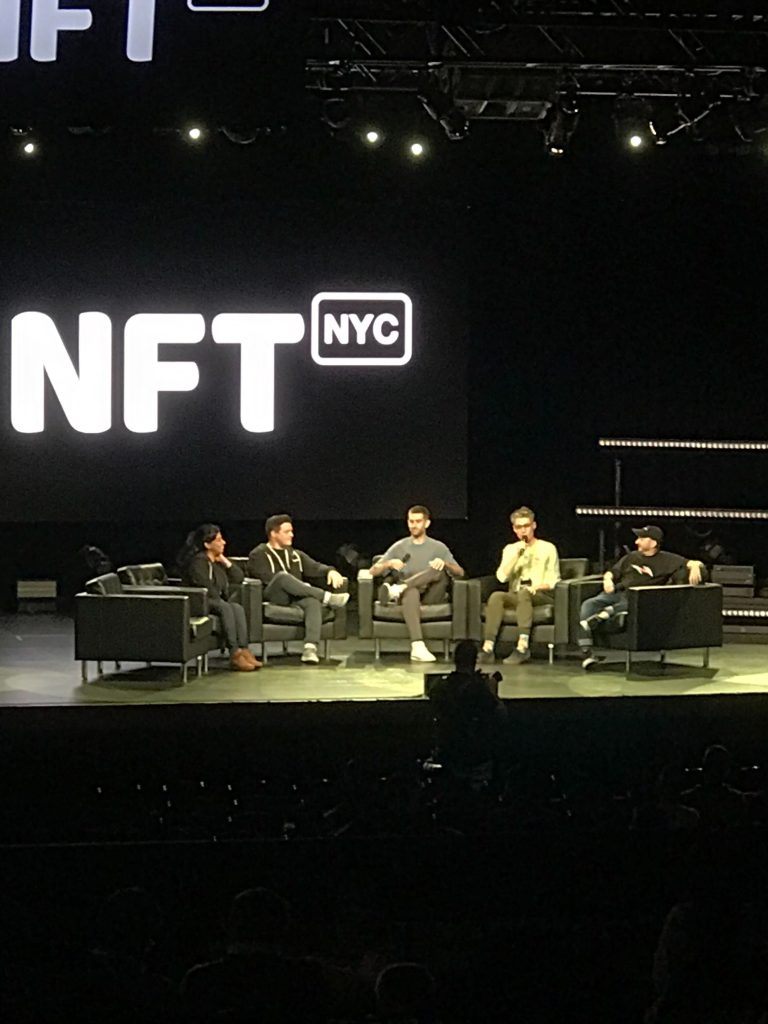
(337,113)
(437,99)
(632,118)
(29,148)
(194,133)
(373,137)
(562,121)
(417,149)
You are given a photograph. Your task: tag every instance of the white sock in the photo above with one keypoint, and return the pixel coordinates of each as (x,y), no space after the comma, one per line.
(488,646)
(522,642)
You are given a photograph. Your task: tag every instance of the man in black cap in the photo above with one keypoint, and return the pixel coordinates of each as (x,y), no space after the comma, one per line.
(649,566)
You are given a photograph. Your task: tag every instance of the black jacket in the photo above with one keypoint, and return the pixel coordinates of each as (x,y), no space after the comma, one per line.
(264,563)
(202,572)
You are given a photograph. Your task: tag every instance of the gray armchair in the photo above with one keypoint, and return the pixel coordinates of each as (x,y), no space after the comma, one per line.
(550,622)
(273,622)
(659,619)
(445,622)
(149,625)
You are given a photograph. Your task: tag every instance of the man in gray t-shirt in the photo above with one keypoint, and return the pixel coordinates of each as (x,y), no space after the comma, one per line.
(422,565)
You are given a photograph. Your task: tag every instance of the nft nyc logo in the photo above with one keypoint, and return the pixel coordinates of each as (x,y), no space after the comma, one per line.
(48,19)
(348,329)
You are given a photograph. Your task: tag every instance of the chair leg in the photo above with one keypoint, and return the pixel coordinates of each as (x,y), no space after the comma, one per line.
(705,659)
(551,653)
(100,669)
(629,662)
(446,650)
(199,661)
(662,657)
(377,649)
(184,672)
(264,652)
(205,663)
(118,666)
(327,650)
(84,671)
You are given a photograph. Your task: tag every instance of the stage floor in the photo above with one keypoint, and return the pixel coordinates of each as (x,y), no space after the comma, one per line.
(37,668)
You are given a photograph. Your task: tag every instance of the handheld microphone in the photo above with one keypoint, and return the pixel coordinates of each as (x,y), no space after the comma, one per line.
(405,558)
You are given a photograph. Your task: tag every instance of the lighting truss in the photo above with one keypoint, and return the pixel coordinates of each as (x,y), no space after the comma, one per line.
(380,45)
(731,446)
(647,512)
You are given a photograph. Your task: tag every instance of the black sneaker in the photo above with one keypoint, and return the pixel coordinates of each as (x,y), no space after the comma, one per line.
(517,657)
(486,657)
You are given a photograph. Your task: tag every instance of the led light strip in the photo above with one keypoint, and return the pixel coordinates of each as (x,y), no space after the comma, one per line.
(624,512)
(731,446)
(748,613)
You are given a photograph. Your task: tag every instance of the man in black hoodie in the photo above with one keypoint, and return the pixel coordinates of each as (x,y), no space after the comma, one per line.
(281,568)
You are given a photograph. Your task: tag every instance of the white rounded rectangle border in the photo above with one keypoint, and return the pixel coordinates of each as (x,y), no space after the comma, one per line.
(226,8)
(372,297)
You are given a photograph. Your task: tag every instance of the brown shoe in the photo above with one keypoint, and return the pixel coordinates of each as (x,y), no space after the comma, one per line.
(254,660)
(241,662)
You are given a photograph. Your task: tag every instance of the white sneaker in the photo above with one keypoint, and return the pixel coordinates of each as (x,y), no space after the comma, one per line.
(309,655)
(390,593)
(420,652)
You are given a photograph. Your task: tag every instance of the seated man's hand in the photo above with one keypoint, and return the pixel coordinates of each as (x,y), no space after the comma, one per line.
(694,573)
(395,563)
(608,585)
(335,579)
(438,564)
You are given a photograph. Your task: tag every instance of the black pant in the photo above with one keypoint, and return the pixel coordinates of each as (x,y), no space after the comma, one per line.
(232,622)
(427,587)
(284,589)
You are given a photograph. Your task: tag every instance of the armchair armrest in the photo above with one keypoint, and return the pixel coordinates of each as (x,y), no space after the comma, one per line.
(198,596)
(366,585)
(252,598)
(340,614)
(140,627)
(577,591)
(460,605)
(674,617)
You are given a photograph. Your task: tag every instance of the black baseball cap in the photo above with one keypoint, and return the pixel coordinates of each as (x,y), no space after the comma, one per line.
(654,532)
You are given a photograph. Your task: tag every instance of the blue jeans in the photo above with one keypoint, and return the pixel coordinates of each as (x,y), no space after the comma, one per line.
(616,602)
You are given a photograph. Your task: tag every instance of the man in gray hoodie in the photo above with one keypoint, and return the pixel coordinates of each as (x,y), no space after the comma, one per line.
(282,569)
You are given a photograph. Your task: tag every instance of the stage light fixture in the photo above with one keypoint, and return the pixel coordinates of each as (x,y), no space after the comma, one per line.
(417,149)
(561,122)
(632,119)
(29,148)
(733,446)
(194,133)
(373,137)
(436,95)
(627,512)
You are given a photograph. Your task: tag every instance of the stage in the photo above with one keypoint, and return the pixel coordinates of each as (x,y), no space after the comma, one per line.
(37,668)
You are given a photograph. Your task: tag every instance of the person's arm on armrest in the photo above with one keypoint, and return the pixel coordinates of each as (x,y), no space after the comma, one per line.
(386,562)
(694,568)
